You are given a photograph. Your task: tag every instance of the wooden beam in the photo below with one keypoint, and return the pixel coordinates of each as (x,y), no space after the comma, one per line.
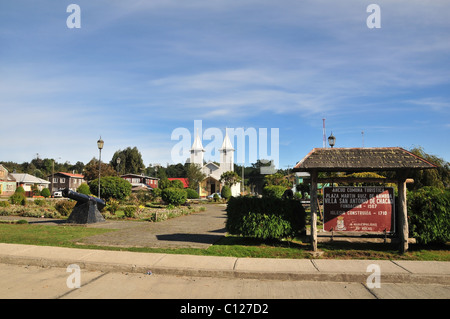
(361,180)
(403,211)
(314,202)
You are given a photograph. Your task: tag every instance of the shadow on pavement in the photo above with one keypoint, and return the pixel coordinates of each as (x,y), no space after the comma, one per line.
(194,238)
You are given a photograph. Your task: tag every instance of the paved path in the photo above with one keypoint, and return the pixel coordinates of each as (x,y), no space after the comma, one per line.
(197,230)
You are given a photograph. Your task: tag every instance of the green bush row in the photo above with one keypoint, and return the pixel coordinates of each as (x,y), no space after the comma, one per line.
(174,196)
(266,218)
(273,191)
(429,215)
(111,187)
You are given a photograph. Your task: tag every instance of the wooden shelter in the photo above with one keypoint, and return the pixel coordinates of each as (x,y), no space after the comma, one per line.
(351,160)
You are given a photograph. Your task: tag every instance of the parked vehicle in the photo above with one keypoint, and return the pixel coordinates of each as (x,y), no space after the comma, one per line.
(57,194)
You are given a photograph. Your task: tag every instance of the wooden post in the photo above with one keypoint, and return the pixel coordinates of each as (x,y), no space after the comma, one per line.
(314,205)
(403,211)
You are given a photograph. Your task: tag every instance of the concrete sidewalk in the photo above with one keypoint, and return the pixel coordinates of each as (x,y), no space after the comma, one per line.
(418,272)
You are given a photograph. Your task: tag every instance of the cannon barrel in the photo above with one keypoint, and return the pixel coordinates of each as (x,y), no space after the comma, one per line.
(82,198)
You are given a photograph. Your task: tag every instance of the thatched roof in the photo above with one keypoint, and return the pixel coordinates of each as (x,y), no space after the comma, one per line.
(361,159)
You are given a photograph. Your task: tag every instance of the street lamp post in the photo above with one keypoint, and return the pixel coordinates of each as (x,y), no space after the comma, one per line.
(100,146)
(331,140)
(118,165)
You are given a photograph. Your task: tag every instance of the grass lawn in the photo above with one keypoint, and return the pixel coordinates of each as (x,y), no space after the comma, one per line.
(62,236)
(66,236)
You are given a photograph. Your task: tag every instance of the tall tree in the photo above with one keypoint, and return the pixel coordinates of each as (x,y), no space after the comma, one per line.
(91,170)
(130,161)
(230,178)
(439,177)
(176,170)
(195,176)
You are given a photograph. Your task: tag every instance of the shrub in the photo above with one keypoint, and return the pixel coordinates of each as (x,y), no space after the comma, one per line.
(429,215)
(226,192)
(176,184)
(65,207)
(216,197)
(266,218)
(40,202)
(84,189)
(112,206)
(143,196)
(191,194)
(129,211)
(18,198)
(275,191)
(45,192)
(20,190)
(111,187)
(156,192)
(174,196)
(4,203)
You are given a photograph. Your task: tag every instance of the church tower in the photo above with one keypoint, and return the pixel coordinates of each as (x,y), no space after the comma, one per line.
(226,155)
(197,151)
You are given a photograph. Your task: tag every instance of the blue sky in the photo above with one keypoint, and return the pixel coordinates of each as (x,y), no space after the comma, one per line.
(137,70)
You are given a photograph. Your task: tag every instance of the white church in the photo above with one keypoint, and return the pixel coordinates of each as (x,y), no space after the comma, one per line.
(211,184)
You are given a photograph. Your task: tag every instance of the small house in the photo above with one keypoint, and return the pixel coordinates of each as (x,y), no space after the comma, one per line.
(62,180)
(141,181)
(29,182)
(7,183)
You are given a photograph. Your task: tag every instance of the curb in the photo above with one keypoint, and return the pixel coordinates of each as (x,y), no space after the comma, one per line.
(241,274)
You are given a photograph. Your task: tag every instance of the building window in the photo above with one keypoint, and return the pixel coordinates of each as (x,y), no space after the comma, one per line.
(55,180)
(62,180)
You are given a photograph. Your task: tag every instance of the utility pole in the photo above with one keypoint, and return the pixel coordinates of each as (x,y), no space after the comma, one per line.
(242,185)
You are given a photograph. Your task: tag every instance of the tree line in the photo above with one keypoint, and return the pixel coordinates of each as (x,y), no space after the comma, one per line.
(129,161)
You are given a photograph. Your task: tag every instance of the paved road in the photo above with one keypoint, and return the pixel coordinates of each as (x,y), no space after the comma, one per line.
(18,281)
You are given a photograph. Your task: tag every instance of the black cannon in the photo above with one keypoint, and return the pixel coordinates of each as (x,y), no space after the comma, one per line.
(86,211)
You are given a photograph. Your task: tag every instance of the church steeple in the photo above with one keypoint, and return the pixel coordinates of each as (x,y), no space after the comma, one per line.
(226,154)
(197,151)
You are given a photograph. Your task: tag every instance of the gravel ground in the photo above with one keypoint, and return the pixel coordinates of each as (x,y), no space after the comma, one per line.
(197,230)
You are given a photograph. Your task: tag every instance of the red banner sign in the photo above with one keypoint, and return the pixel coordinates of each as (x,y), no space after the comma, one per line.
(365,209)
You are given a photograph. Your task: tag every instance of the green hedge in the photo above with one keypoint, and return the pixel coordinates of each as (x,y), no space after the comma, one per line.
(18,198)
(191,194)
(273,191)
(429,215)
(174,196)
(65,207)
(226,192)
(266,218)
(46,193)
(111,187)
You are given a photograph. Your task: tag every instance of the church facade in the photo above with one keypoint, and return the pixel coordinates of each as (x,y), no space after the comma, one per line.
(211,184)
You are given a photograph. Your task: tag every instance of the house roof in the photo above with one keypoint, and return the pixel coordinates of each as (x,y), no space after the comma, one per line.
(27,178)
(137,175)
(3,173)
(361,159)
(70,175)
(209,164)
(185,181)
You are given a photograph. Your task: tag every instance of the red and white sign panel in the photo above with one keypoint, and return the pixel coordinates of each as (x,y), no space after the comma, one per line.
(365,209)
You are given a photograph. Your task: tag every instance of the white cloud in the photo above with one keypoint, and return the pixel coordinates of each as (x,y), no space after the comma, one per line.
(435,104)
